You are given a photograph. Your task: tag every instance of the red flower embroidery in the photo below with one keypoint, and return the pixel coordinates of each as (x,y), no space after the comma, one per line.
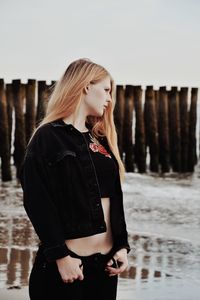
(99,148)
(93,147)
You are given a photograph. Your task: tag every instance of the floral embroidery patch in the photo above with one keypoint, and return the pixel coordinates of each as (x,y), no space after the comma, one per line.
(99,148)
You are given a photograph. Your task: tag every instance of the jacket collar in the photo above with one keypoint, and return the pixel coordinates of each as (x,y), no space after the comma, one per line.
(70,127)
(60,123)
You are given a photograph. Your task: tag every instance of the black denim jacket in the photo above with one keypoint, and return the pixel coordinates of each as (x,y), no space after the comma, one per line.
(61,192)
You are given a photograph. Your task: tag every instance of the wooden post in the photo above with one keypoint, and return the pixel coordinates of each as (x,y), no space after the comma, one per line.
(119,116)
(4,136)
(50,88)
(163,130)
(140,149)
(30,108)
(127,129)
(156,95)
(174,130)
(151,127)
(19,140)
(183,102)
(10,110)
(192,155)
(42,101)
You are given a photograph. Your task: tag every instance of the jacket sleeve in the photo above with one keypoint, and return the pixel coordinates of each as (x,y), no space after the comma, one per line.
(40,208)
(121,240)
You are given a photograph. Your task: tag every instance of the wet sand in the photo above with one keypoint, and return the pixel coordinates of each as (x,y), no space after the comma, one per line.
(128,290)
(21,294)
(163,223)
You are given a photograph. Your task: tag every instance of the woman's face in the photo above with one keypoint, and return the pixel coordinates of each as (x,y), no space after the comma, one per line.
(97,97)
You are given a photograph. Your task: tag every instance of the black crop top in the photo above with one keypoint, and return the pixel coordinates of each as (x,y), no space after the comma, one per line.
(105,166)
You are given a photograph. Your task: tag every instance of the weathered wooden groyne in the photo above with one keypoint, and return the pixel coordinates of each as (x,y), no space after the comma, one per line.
(156,128)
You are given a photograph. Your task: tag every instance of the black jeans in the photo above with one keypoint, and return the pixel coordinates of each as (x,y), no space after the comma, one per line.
(45,281)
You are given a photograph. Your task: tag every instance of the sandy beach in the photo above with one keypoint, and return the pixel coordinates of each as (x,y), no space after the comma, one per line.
(174,289)
(163,231)
(22,294)
(14,294)
(124,292)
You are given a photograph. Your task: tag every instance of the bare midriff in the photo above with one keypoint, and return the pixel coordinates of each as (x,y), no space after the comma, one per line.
(101,242)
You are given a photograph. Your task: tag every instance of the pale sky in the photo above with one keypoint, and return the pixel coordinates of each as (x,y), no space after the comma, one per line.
(139,42)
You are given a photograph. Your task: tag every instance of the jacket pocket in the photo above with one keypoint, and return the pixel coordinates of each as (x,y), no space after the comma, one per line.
(59,156)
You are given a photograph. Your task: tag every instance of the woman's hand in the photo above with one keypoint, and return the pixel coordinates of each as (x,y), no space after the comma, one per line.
(70,268)
(122,262)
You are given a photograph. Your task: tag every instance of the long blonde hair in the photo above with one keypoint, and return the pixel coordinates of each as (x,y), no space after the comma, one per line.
(66,96)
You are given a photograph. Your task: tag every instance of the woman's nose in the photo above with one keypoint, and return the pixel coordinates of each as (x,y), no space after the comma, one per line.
(109,99)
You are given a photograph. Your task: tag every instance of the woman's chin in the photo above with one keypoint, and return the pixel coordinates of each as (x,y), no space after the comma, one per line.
(99,113)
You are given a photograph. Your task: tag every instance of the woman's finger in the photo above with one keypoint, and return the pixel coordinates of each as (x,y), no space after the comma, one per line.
(118,270)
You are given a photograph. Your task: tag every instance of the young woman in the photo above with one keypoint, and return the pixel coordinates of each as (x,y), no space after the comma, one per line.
(71,179)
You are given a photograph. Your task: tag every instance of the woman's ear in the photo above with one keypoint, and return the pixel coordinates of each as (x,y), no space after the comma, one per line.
(86,89)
